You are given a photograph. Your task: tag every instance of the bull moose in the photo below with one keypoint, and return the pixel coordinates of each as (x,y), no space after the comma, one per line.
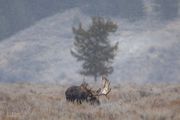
(85,93)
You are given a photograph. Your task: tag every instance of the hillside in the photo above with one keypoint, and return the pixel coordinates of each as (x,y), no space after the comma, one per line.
(18,15)
(148,52)
(41,52)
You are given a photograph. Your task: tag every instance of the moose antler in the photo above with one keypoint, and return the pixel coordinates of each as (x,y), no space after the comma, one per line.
(85,86)
(106,87)
(105,90)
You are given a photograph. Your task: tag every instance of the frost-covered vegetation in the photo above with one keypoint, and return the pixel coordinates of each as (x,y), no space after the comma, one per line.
(131,101)
(148,51)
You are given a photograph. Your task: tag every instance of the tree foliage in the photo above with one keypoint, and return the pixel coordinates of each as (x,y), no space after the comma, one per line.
(93,48)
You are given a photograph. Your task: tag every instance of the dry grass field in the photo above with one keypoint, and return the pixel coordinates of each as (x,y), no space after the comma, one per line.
(127,102)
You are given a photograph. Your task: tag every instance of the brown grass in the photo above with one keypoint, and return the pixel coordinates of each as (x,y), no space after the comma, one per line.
(127,102)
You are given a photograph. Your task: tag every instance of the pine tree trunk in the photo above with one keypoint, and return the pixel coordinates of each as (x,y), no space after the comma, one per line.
(95,78)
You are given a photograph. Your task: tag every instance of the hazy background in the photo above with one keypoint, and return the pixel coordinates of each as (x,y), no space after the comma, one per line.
(36,38)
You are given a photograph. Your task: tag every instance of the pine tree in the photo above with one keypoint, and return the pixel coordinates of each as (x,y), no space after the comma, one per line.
(93,48)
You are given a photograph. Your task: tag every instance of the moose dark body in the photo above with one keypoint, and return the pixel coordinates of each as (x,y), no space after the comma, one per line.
(85,93)
(78,94)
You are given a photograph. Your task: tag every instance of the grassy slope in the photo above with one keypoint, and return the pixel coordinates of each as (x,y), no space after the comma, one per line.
(42,52)
(127,102)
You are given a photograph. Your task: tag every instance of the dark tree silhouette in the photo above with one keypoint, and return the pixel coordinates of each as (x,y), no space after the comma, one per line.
(93,48)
